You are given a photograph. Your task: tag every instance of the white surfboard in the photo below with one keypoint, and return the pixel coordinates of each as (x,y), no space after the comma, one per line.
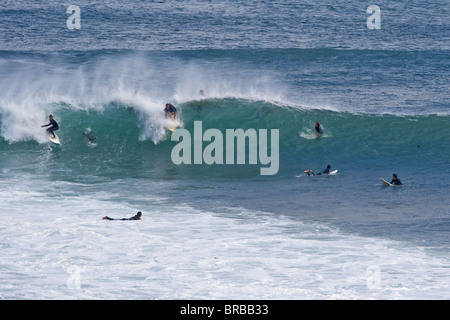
(55,140)
(385,183)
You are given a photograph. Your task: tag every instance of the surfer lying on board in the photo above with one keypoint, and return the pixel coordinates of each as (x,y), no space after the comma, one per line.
(54,126)
(326,171)
(136,217)
(170,111)
(396,181)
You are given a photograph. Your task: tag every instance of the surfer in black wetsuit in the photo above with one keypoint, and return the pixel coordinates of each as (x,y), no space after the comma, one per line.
(396,181)
(54,126)
(318,127)
(170,111)
(326,171)
(135,217)
(88,134)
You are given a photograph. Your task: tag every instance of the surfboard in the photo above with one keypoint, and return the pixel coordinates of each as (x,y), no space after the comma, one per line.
(385,183)
(172,124)
(55,140)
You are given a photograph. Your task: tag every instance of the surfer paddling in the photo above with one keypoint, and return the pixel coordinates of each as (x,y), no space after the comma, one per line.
(326,171)
(135,217)
(54,126)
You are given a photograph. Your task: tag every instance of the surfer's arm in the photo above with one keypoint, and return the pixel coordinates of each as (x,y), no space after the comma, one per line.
(52,123)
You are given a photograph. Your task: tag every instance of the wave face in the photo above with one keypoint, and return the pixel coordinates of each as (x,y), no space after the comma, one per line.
(144,25)
(133,141)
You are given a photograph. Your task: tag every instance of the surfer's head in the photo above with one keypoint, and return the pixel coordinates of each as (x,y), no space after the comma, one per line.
(328,167)
(50,117)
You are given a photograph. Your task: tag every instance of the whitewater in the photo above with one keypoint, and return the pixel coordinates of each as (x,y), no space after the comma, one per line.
(181,252)
(224,231)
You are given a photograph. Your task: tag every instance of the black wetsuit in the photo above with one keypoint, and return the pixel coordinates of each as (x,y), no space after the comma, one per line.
(136,217)
(318,129)
(171,109)
(54,126)
(396,182)
(326,171)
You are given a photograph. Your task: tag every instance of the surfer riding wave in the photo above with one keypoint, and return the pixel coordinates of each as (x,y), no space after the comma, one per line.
(54,126)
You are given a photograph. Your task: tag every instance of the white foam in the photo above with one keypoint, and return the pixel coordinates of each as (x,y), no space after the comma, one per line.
(58,247)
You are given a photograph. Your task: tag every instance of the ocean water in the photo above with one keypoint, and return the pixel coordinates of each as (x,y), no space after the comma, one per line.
(224,231)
